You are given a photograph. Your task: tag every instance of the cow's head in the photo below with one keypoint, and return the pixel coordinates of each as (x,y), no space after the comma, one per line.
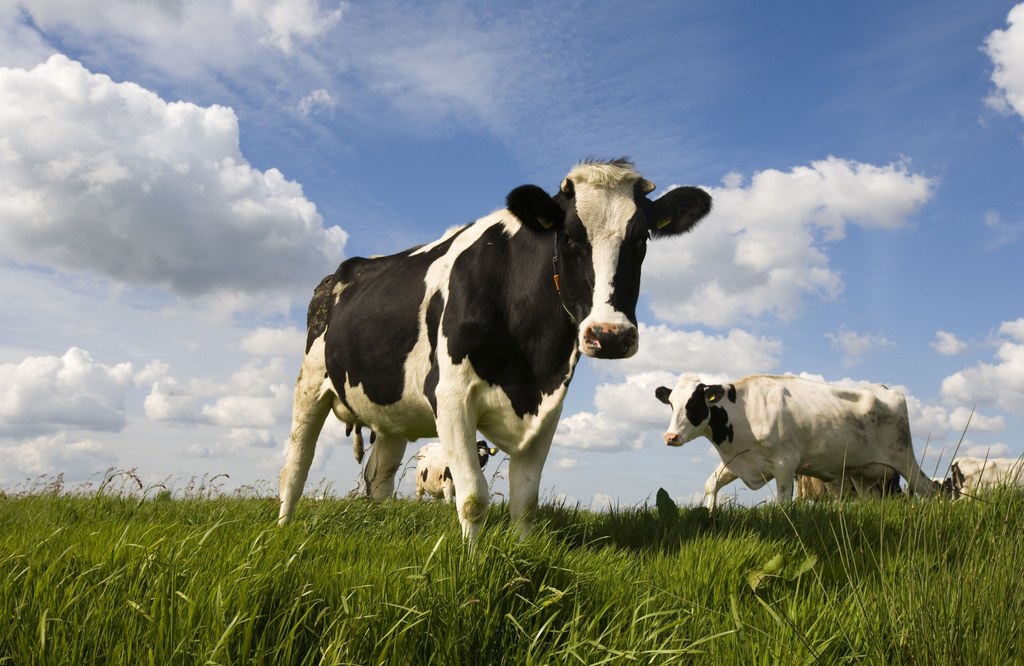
(600,222)
(697,409)
(484,451)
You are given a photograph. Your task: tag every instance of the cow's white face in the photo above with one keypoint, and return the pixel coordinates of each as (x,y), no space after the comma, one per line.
(602,220)
(698,409)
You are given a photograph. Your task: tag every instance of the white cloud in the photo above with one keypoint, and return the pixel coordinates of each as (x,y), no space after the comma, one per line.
(77,459)
(288,342)
(1000,383)
(854,346)
(43,393)
(1006,49)
(948,344)
(182,38)
(317,102)
(733,354)
(254,397)
(565,463)
(107,178)
(761,251)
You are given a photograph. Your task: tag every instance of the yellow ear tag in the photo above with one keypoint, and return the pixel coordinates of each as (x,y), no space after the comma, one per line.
(713,397)
(664,223)
(545,223)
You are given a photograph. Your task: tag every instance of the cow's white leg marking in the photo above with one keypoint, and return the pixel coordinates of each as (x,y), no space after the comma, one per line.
(719,478)
(311,406)
(385,459)
(448,491)
(524,471)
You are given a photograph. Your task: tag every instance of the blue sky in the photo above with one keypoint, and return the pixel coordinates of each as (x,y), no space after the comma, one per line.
(176,177)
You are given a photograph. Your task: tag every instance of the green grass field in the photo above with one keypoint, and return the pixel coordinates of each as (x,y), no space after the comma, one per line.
(117,578)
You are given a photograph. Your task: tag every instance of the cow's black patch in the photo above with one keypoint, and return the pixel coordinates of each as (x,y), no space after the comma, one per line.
(433,322)
(318,314)
(714,393)
(375,323)
(447,474)
(721,429)
(424,474)
(504,315)
(697,406)
(732,393)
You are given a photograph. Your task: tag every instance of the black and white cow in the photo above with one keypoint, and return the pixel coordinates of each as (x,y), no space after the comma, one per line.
(434,476)
(481,330)
(774,427)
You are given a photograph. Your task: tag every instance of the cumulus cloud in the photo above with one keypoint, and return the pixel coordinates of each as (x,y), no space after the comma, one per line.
(254,397)
(107,178)
(263,341)
(1000,383)
(1006,49)
(44,393)
(854,346)
(77,459)
(948,344)
(182,38)
(762,249)
(663,348)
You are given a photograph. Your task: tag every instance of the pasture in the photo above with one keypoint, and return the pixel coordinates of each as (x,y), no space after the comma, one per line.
(123,577)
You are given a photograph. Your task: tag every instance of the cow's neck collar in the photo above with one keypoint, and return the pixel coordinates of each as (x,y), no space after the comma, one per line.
(558,286)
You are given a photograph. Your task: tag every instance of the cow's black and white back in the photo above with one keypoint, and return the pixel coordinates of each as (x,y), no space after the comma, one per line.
(481,330)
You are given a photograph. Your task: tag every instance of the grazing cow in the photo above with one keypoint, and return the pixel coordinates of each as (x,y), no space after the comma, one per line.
(481,330)
(968,476)
(879,481)
(433,476)
(769,427)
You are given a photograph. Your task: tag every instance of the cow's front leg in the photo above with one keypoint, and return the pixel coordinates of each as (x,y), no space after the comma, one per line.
(784,482)
(457,431)
(309,411)
(721,477)
(385,459)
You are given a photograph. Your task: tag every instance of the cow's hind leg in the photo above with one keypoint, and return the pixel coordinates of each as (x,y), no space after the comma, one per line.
(311,406)
(385,459)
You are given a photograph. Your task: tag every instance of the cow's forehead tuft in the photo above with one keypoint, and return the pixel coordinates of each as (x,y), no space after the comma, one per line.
(603,174)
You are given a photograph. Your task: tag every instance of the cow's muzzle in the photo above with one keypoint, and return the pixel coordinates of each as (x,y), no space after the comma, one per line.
(610,340)
(672,439)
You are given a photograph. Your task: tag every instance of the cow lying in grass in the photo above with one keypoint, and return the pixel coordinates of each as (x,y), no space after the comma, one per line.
(433,476)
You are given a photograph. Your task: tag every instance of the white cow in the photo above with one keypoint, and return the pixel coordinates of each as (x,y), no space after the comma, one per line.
(968,476)
(433,475)
(774,427)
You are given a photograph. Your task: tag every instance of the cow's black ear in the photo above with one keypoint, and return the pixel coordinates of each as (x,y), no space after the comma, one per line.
(535,208)
(714,393)
(662,393)
(677,211)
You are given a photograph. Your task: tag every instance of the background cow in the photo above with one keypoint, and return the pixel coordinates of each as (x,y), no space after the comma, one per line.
(770,427)
(882,482)
(434,478)
(969,476)
(481,330)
